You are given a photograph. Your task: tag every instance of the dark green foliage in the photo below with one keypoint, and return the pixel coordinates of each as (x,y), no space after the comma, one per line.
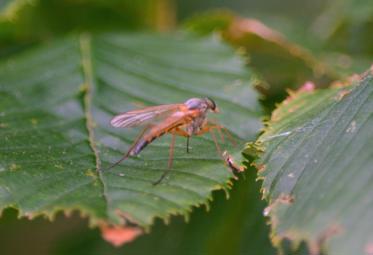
(317,168)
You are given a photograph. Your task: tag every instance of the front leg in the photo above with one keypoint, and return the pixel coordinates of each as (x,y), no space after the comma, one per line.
(221,129)
(209,128)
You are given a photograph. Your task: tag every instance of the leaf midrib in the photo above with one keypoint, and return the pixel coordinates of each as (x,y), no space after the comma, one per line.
(85,43)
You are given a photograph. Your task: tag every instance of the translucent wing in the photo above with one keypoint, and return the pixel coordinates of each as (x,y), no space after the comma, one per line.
(144,116)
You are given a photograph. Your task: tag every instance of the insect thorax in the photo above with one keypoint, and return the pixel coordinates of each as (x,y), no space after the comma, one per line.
(196,125)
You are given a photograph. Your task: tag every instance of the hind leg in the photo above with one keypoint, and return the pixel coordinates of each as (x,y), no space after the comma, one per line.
(170,161)
(173,132)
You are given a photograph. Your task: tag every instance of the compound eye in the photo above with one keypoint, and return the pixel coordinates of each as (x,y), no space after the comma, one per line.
(211,103)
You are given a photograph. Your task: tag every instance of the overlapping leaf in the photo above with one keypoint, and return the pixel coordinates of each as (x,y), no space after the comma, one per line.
(317,168)
(279,60)
(56,103)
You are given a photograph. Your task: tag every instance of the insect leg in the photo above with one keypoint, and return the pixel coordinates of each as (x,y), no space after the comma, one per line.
(214,124)
(210,128)
(170,160)
(220,128)
(220,133)
(172,146)
(229,135)
(187,145)
(182,132)
(216,142)
(129,150)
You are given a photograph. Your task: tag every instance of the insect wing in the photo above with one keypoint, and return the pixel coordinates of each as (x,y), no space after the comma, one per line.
(144,116)
(169,123)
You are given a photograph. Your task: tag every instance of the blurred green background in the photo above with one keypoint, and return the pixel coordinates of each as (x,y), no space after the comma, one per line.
(336,32)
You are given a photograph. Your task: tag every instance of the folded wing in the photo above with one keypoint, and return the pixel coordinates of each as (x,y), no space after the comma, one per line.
(145,116)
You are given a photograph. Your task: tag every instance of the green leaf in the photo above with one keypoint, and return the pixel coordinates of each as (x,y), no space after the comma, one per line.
(233,226)
(56,103)
(317,168)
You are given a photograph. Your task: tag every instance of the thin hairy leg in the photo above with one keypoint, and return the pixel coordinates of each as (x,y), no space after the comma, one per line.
(218,149)
(170,160)
(221,129)
(182,132)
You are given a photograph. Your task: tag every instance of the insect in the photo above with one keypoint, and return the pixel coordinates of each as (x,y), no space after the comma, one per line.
(186,119)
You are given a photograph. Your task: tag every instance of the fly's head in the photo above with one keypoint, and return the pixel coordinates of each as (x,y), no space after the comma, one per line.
(201,104)
(211,104)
